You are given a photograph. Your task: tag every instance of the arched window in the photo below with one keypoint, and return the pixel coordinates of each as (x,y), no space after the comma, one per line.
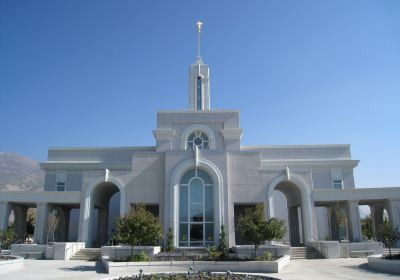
(199,93)
(196,209)
(199,139)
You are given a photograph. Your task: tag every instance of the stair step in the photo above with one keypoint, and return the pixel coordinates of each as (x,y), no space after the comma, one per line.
(87,254)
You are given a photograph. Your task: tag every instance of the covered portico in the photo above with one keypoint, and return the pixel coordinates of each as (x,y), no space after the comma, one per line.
(44,202)
(378,199)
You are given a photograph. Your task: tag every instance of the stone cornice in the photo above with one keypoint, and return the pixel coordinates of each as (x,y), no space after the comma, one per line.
(266,147)
(164,134)
(85,165)
(358,194)
(308,163)
(232,133)
(36,197)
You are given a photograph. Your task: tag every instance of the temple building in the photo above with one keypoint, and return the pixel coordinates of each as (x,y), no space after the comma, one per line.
(196,177)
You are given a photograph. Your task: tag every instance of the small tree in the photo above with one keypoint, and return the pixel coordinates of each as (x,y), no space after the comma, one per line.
(169,247)
(138,228)
(389,235)
(52,223)
(366,226)
(7,237)
(256,229)
(222,247)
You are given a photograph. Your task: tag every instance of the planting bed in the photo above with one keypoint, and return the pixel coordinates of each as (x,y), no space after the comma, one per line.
(196,276)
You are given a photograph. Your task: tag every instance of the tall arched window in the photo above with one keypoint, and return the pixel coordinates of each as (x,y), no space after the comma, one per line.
(196,209)
(199,93)
(199,139)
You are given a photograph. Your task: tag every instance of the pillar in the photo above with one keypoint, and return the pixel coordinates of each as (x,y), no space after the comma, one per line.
(20,221)
(5,211)
(376,209)
(354,221)
(393,210)
(85,221)
(42,210)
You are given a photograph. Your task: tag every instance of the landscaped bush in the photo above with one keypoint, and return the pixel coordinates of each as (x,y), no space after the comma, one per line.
(196,276)
(141,257)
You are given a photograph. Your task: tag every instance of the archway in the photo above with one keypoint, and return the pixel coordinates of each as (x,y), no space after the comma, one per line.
(105,207)
(295,212)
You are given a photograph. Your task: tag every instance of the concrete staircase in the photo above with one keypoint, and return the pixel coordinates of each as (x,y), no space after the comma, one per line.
(303,253)
(87,254)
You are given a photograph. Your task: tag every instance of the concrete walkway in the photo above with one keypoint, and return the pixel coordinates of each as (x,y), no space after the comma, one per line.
(297,270)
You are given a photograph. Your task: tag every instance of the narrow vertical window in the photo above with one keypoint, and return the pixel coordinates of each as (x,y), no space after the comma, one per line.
(199,93)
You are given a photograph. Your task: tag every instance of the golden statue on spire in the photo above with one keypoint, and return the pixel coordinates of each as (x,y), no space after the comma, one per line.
(199,25)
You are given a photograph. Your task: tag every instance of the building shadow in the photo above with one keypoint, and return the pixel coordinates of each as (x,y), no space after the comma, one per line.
(96,266)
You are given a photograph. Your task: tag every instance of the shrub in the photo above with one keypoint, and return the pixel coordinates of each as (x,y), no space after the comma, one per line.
(212,253)
(140,257)
(266,257)
(7,237)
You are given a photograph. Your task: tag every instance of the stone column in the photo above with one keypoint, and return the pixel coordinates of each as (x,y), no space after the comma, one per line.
(5,211)
(354,221)
(41,223)
(85,221)
(376,216)
(20,221)
(393,210)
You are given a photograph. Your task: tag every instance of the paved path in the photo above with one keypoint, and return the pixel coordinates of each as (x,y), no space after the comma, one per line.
(297,270)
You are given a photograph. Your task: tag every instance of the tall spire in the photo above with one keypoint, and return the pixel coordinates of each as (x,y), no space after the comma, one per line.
(199,80)
(199,25)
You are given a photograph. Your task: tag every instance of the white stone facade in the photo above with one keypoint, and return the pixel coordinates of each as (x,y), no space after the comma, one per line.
(313,179)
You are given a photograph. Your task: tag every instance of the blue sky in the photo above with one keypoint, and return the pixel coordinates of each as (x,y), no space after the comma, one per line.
(94,73)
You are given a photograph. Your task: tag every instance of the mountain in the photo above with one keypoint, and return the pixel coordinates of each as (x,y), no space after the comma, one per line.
(20,173)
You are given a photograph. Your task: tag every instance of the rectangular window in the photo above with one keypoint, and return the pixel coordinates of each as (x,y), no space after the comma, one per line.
(60,186)
(337,184)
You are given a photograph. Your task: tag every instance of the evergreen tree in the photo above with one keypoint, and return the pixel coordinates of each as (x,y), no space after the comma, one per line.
(169,247)
(222,247)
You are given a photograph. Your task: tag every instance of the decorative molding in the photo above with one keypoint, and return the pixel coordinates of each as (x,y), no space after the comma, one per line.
(164,134)
(287,173)
(232,133)
(308,163)
(82,165)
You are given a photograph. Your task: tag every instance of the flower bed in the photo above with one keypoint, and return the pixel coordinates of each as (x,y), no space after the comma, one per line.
(196,276)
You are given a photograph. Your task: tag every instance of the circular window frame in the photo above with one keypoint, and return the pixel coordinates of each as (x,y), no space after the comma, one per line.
(205,129)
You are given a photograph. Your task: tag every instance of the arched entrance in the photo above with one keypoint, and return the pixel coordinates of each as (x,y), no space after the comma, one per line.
(105,207)
(301,216)
(294,211)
